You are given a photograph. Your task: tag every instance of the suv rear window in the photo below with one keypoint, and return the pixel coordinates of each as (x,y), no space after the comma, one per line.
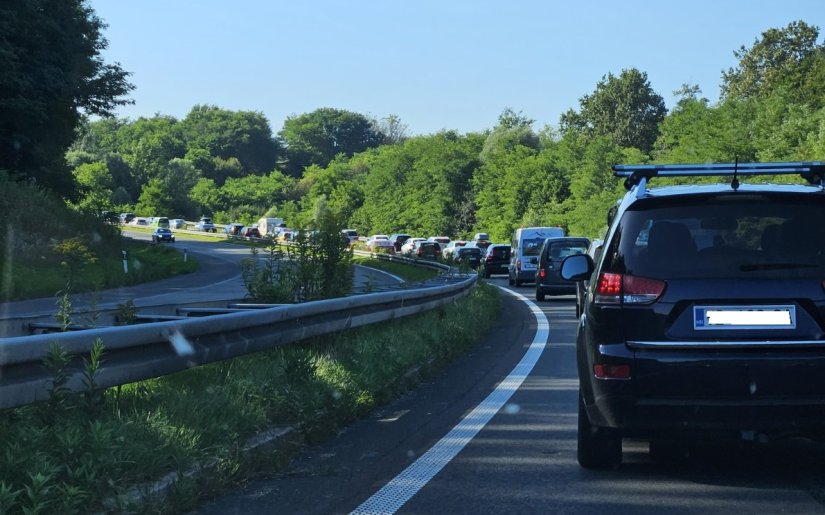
(736,235)
(501,252)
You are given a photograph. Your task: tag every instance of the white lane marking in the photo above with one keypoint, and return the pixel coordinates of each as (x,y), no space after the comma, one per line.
(399,279)
(406,484)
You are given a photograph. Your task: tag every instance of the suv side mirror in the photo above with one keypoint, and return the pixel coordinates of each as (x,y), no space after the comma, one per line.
(577,267)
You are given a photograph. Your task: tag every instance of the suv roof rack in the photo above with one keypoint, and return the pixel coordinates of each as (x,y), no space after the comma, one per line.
(812,171)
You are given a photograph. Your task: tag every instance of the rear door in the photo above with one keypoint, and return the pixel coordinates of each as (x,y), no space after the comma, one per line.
(722,294)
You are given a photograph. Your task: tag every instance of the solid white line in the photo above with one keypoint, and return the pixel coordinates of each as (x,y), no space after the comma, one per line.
(406,484)
(399,279)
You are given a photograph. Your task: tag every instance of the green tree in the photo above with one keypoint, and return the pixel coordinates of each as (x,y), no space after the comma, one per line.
(317,137)
(52,71)
(788,58)
(167,194)
(244,136)
(625,108)
(418,186)
(513,129)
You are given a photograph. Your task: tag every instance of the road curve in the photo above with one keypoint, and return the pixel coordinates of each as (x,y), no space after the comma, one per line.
(217,279)
(523,460)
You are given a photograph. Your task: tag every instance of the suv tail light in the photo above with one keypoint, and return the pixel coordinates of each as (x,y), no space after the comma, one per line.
(627,289)
(542,273)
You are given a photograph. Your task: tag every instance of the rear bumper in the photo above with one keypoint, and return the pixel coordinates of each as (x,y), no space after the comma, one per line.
(708,392)
(525,275)
(496,269)
(557,289)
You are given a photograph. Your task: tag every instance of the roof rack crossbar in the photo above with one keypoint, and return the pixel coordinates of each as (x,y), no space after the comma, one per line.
(812,171)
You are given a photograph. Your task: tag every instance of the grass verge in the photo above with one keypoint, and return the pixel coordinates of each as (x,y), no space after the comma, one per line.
(409,273)
(147,262)
(69,455)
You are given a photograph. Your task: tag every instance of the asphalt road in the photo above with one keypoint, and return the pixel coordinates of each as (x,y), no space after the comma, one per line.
(217,279)
(523,460)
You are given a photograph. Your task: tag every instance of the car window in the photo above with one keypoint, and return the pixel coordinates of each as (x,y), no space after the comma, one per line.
(558,251)
(532,247)
(730,236)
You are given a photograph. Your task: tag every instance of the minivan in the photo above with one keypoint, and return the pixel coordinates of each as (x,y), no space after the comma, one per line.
(527,242)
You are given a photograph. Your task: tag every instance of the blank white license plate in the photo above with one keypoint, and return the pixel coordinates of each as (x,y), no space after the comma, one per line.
(744,317)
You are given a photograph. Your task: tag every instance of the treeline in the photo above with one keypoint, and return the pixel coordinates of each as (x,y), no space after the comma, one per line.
(372,177)
(230,165)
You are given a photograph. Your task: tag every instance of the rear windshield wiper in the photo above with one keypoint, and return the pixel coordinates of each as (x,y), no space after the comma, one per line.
(776,266)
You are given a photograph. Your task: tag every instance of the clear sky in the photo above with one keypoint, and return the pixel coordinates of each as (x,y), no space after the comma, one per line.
(437,64)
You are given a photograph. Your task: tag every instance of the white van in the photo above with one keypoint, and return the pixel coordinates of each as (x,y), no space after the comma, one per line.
(270,226)
(526,245)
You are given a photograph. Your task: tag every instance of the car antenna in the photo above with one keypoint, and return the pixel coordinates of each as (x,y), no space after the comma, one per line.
(735,182)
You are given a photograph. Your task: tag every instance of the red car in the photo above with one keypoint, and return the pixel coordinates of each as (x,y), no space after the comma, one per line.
(250,232)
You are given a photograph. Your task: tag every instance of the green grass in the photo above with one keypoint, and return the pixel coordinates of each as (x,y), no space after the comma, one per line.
(409,273)
(44,276)
(68,456)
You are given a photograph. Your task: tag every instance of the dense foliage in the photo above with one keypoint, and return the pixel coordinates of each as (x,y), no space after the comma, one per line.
(378,180)
(44,87)
(370,174)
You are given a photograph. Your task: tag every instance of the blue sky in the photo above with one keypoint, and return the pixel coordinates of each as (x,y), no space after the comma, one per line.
(449,64)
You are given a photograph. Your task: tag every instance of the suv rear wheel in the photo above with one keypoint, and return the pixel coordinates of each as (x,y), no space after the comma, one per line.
(598,447)
(539,294)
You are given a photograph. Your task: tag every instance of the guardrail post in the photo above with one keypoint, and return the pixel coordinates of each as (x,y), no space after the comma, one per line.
(185,255)
(125,263)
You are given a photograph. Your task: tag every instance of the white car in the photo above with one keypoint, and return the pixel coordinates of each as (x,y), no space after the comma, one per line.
(409,246)
(451,247)
(380,243)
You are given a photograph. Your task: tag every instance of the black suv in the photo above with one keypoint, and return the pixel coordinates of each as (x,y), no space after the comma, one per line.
(705,313)
(496,259)
(553,251)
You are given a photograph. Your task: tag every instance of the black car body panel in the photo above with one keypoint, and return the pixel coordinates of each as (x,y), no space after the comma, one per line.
(705,315)
(496,259)
(553,252)
(469,256)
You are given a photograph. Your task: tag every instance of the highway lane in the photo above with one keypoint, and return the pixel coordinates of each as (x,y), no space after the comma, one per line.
(523,460)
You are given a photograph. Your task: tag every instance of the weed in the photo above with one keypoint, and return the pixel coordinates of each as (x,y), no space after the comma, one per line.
(126,313)
(72,452)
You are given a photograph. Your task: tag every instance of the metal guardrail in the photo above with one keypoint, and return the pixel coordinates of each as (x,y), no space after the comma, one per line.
(134,353)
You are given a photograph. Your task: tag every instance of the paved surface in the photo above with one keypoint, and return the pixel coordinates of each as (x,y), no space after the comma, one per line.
(217,279)
(524,460)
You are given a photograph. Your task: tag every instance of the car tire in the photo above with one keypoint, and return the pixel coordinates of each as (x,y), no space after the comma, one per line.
(599,448)
(510,281)
(539,295)
(517,282)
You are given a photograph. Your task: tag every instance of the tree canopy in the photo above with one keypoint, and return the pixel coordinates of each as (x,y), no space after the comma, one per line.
(788,58)
(315,138)
(44,88)
(626,109)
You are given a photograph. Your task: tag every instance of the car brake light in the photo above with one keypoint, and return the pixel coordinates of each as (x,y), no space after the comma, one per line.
(627,289)
(542,273)
(518,264)
(611,371)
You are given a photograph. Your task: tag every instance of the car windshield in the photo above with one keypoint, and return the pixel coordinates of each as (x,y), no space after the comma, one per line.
(728,236)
